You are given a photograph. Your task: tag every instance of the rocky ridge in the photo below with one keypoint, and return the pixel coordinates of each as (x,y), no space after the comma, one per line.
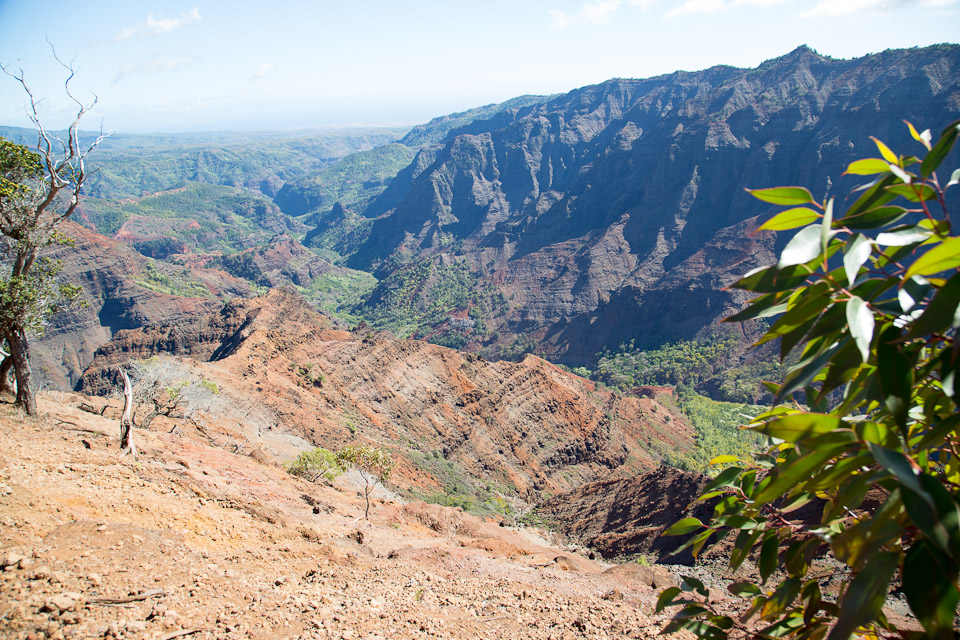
(121,290)
(618,211)
(457,422)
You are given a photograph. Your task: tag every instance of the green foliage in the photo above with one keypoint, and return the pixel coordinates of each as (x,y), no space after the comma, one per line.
(352,181)
(371,462)
(315,464)
(308,375)
(168,279)
(29,292)
(709,365)
(204,217)
(459,489)
(718,431)
(132,165)
(423,295)
(338,236)
(30,300)
(374,465)
(869,297)
(337,292)
(19,167)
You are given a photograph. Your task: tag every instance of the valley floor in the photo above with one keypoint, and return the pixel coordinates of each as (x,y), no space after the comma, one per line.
(199,540)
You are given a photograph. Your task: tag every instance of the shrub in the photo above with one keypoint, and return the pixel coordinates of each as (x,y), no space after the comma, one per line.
(315,464)
(373,464)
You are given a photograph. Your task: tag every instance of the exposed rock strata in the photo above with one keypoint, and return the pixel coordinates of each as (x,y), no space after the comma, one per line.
(626,516)
(450,417)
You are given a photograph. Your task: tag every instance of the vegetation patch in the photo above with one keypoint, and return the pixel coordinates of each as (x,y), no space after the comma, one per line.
(164,278)
(709,365)
(428,299)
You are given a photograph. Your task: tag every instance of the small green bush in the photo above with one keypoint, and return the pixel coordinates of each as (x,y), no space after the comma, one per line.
(315,464)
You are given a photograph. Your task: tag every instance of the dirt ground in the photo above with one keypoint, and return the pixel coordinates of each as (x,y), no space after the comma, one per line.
(197,539)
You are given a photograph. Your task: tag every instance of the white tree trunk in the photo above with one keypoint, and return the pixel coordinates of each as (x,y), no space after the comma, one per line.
(127,445)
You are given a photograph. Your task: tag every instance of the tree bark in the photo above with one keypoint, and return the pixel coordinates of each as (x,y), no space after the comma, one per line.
(20,353)
(127,445)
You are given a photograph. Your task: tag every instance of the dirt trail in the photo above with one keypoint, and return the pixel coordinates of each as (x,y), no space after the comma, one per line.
(204,542)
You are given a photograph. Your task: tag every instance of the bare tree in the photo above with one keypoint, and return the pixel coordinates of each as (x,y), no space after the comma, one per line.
(38,191)
(127,446)
(164,386)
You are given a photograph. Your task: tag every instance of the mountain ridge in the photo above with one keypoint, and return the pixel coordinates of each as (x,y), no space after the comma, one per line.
(607,192)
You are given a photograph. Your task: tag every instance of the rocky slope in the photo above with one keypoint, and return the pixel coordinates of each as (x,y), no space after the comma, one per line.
(459,424)
(198,539)
(617,211)
(121,290)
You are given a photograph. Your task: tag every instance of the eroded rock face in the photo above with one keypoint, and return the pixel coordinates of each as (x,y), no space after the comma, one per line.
(109,273)
(527,427)
(626,516)
(618,211)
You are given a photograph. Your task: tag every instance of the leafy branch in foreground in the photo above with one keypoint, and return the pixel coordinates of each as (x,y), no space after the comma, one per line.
(870,300)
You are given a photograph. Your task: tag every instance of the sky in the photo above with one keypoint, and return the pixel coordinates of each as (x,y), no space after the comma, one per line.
(214,65)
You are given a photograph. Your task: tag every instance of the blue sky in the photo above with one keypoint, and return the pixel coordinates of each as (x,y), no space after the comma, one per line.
(217,65)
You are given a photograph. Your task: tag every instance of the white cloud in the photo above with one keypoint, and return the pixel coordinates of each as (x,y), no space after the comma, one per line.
(262,70)
(709,7)
(595,12)
(834,9)
(153,65)
(156,26)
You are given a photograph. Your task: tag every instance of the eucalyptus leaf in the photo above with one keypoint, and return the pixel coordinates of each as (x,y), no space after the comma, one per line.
(767,563)
(942,312)
(783,195)
(929,582)
(923,138)
(904,236)
(790,219)
(867,167)
(940,150)
(861,323)
(885,151)
(942,257)
(855,253)
(872,218)
(895,374)
(917,192)
(684,526)
(954,178)
(802,248)
(826,227)
(798,426)
(865,595)
(914,290)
